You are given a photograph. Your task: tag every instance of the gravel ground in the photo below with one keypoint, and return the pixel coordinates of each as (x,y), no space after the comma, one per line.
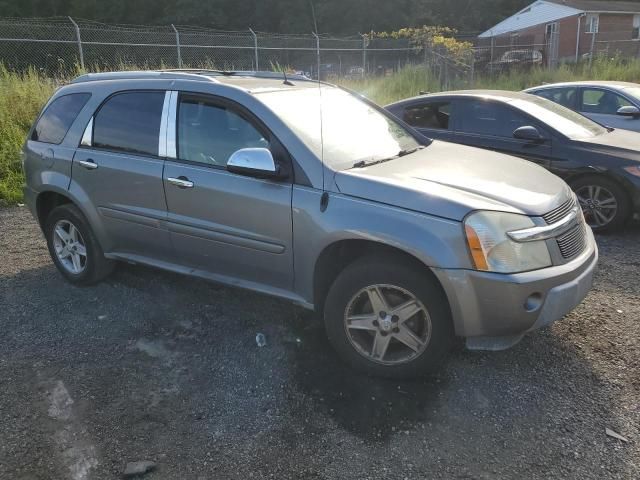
(155,366)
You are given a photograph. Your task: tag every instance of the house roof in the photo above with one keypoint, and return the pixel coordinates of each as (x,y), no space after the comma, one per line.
(545,11)
(600,5)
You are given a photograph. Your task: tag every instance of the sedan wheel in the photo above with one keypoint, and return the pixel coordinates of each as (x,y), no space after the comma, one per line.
(599,205)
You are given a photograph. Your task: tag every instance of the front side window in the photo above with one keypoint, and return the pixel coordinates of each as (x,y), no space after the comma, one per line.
(601,101)
(55,121)
(490,118)
(338,127)
(129,122)
(564,96)
(210,133)
(430,115)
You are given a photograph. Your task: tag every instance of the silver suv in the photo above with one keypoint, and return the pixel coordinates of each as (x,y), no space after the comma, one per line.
(310,193)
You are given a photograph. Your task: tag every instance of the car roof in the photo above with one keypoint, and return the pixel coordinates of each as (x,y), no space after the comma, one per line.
(587,83)
(500,95)
(249,81)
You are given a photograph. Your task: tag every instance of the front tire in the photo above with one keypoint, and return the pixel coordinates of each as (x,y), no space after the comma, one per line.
(388,318)
(605,204)
(73,247)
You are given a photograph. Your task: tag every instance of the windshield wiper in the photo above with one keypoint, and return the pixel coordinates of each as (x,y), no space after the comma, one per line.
(401,153)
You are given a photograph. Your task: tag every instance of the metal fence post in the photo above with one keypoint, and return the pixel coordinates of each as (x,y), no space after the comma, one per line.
(593,45)
(317,52)
(77,28)
(178,45)
(255,47)
(364,55)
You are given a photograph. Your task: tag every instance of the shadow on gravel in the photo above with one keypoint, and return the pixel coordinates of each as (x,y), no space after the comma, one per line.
(371,408)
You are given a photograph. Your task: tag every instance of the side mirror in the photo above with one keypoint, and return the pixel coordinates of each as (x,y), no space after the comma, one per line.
(528,133)
(629,111)
(254,162)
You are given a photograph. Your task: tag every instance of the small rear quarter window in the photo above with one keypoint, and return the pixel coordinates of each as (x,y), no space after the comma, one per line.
(55,121)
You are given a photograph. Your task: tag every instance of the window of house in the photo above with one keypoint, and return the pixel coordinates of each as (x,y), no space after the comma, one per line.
(430,115)
(592,23)
(56,120)
(129,122)
(636,27)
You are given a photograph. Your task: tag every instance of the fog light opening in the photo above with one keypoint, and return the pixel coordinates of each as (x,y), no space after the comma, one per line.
(534,302)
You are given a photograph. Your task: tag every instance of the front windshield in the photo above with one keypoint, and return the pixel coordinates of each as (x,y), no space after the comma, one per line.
(565,121)
(351,130)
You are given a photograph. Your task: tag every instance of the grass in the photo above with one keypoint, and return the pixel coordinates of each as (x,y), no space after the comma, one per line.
(411,80)
(21,98)
(22,95)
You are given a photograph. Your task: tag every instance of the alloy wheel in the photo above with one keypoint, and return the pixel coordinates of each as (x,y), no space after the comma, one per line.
(387,324)
(598,204)
(70,247)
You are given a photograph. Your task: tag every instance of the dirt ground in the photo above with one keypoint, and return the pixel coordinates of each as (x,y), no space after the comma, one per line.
(156,366)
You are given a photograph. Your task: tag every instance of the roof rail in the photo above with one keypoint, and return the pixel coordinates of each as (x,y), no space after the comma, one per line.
(142,74)
(198,74)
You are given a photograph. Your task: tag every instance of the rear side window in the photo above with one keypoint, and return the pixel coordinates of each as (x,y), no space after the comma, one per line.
(564,96)
(430,115)
(129,122)
(55,121)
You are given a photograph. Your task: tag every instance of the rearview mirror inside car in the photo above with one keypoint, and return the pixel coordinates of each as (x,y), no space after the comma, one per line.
(255,162)
(528,133)
(629,111)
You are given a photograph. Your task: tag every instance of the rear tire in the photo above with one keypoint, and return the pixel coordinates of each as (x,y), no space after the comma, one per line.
(73,247)
(412,340)
(605,204)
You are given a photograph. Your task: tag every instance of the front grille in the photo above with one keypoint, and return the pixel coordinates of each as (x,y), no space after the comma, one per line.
(573,242)
(560,212)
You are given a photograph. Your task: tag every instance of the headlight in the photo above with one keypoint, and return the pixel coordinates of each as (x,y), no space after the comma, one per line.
(492,250)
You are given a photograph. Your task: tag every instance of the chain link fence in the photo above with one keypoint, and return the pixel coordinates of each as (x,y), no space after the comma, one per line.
(62,46)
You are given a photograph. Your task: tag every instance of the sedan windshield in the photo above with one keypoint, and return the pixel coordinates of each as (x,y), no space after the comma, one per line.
(565,121)
(351,132)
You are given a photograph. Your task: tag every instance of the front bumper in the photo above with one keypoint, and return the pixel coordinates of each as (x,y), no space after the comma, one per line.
(493,311)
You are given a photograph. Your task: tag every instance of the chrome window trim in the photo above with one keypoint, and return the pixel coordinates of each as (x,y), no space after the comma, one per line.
(87,136)
(548,231)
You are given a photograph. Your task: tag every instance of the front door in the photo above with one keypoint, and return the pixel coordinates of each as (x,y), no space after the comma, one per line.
(490,125)
(231,225)
(118,167)
(602,105)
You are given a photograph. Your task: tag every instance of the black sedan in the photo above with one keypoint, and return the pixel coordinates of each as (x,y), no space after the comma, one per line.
(602,165)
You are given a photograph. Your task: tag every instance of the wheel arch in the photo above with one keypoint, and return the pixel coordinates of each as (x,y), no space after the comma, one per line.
(337,256)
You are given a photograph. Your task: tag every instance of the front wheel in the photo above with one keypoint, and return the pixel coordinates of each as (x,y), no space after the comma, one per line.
(605,204)
(388,318)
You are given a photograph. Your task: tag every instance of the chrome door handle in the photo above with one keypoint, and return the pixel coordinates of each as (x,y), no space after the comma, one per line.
(88,164)
(181,182)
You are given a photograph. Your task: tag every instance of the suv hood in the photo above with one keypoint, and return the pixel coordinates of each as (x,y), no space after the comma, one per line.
(450,180)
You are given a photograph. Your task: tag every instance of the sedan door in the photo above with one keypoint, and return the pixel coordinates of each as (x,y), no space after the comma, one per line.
(433,118)
(490,124)
(601,105)
(230,225)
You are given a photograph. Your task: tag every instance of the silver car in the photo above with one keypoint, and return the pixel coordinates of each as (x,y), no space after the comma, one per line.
(307,192)
(613,104)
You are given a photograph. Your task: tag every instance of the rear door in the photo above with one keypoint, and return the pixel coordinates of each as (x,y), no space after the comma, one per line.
(235,226)
(489,124)
(432,118)
(119,167)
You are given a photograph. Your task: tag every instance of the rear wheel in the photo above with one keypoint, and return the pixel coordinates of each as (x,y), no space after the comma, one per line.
(74,248)
(388,318)
(605,204)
